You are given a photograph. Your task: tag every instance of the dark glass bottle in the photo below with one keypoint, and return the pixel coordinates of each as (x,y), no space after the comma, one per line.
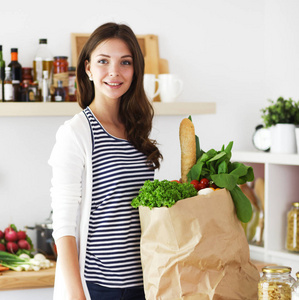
(2,74)
(59,93)
(15,66)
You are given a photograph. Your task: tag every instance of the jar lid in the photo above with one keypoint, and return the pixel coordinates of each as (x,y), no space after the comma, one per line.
(60,57)
(297,274)
(13,50)
(72,68)
(295,204)
(277,269)
(43,41)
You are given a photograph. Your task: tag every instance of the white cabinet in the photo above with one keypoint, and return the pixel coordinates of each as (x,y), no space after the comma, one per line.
(281,175)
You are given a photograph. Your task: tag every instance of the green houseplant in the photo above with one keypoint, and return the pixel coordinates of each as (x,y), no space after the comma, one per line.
(281,117)
(283,111)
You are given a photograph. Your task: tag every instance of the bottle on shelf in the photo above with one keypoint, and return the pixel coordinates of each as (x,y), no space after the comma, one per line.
(43,61)
(16,94)
(59,93)
(45,87)
(2,75)
(25,92)
(15,66)
(8,87)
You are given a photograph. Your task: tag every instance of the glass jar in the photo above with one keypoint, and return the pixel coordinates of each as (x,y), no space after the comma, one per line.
(276,283)
(295,288)
(59,93)
(27,75)
(72,84)
(292,240)
(61,72)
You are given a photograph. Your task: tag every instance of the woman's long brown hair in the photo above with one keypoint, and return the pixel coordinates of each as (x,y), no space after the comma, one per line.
(135,111)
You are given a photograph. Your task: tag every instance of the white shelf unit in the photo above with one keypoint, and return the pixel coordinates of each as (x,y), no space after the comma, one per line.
(21,109)
(281,175)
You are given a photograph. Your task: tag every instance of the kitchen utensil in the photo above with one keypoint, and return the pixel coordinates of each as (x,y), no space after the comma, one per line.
(45,242)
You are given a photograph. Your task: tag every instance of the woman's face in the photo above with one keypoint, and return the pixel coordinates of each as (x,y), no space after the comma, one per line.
(111,68)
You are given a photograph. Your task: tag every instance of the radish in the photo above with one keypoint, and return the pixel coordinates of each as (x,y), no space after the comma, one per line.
(2,247)
(12,247)
(23,244)
(7,229)
(21,235)
(1,234)
(11,235)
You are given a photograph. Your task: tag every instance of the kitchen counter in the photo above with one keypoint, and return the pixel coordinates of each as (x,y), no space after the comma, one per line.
(12,280)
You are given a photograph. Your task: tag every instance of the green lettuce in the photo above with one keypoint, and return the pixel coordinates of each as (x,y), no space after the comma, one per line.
(162,193)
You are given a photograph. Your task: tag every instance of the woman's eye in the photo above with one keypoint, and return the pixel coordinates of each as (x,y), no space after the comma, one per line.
(126,62)
(103,61)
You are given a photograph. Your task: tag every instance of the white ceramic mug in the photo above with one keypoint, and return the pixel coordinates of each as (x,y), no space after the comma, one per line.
(149,82)
(170,87)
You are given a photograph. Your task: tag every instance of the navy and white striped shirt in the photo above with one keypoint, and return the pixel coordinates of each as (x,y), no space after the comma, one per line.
(113,243)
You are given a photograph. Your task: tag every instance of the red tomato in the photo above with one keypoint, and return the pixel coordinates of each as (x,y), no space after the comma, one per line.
(195,184)
(205,182)
(202,186)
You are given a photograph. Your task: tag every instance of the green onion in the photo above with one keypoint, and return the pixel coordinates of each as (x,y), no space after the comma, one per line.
(17,263)
(13,261)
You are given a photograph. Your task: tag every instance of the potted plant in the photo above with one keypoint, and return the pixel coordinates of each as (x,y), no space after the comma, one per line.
(281,117)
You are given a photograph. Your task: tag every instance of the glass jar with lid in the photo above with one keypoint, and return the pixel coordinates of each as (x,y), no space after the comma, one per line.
(295,288)
(292,240)
(276,283)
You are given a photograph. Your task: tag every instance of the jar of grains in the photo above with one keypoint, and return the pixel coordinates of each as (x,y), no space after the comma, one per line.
(292,241)
(295,288)
(276,283)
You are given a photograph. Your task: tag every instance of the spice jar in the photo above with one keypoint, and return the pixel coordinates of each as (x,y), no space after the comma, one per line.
(295,288)
(292,241)
(60,72)
(27,75)
(72,84)
(276,283)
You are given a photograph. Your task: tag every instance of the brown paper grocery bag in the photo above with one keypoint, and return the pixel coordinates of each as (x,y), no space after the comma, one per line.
(196,249)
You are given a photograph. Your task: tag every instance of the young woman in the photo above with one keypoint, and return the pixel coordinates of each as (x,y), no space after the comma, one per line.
(100,160)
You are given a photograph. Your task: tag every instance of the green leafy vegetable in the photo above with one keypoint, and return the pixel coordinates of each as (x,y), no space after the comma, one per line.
(162,193)
(24,262)
(217,167)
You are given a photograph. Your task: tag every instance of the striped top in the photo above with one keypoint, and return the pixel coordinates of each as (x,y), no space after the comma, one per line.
(113,242)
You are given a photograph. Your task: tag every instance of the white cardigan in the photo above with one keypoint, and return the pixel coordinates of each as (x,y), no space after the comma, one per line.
(71,190)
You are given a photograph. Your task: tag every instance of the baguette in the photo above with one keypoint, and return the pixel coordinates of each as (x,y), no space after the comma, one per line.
(188,147)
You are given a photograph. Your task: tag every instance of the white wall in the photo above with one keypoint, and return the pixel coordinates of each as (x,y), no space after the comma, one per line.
(236,53)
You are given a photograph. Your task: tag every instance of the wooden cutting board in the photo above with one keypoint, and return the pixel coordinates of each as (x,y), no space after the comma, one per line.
(12,280)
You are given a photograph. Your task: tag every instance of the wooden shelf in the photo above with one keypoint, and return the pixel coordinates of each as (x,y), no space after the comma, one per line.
(12,280)
(25,109)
